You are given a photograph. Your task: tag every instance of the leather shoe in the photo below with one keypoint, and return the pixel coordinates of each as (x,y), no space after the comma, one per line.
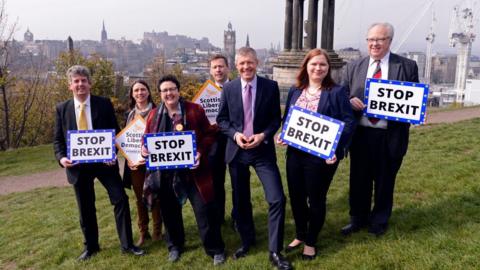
(241,252)
(378,229)
(87,254)
(219,259)
(174,255)
(289,248)
(134,250)
(279,261)
(351,228)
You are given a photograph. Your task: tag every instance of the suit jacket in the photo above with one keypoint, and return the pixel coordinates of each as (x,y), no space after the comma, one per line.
(399,68)
(103,117)
(267,115)
(334,103)
(205,136)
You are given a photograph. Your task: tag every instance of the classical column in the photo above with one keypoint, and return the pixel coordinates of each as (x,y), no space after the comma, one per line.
(312,24)
(300,25)
(328,19)
(287,42)
(295,19)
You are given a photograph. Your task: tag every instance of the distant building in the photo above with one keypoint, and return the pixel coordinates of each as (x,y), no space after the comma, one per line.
(421,60)
(443,69)
(349,54)
(104,36)
(28,36)
(229,41)
(472,92)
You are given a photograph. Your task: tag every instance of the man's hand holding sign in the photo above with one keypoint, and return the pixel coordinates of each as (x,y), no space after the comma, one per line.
(91,146)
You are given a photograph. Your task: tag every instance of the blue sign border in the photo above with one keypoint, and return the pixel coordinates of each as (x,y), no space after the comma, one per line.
(114,155)
(398,119)
(163,134)
(324,117)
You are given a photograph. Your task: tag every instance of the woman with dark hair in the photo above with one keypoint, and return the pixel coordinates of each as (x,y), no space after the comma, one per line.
(141,103)
(309,176)
(174,186)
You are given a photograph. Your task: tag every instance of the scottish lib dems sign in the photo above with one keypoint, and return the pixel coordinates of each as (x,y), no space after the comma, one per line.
(396,100)
(312,132)
(91,146)
(170,150)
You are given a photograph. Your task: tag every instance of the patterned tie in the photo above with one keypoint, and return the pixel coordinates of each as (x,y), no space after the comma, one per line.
(82,119)
(247,111)
(377,74)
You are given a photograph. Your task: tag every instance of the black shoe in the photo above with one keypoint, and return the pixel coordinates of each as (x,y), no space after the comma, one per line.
(378,229)
(279,261)
(351,228)
(241,252)
(289,248)
(219,259)
(134,250)
(87,254)
(174,255)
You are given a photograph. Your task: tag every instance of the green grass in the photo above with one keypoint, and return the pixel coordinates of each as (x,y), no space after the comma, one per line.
(27,160)
(435,223)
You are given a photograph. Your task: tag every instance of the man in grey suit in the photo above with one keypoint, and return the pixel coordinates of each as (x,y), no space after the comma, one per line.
(378,146)
(249,116)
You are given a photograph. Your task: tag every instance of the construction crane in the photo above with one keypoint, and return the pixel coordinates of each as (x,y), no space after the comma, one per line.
(461,36)
(430,39)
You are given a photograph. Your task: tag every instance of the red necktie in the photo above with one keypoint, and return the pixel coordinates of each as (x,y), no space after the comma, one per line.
(377,74)
(247,112)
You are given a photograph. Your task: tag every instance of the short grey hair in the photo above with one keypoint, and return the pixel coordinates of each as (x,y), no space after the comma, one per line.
(78,70)
(387,25)
(244,51)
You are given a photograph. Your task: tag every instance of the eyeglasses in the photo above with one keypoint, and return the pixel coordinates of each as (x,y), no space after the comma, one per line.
(166,90)
(378,40)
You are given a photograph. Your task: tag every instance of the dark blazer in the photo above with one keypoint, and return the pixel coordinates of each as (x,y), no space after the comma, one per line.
(334,103)
(267,115)
(103,117)
(399,68)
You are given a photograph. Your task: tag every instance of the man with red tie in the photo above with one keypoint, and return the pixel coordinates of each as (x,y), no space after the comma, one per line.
(249,116)
(378,145)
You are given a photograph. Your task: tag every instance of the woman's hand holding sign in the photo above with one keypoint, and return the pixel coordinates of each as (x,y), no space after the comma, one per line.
(332,160)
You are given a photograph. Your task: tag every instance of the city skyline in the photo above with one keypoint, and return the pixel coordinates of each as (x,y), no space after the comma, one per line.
(56,19)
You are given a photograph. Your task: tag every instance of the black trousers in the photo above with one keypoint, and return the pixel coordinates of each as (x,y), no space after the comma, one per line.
(309,179)
(85,195)
(372,170)
(205,215)
(219,167)
(266,168)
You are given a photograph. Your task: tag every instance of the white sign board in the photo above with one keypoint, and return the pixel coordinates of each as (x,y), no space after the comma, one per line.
(91,146)
(312,132)
(170,150)
(396,100)
(209,98)
(129,140)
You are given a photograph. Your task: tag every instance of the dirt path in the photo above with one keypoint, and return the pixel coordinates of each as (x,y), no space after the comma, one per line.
(57,177)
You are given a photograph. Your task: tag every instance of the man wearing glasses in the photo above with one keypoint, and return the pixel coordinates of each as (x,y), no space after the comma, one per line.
(378,146)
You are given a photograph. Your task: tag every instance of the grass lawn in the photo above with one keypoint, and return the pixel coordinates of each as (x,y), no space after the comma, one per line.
(38,158)
(435,223)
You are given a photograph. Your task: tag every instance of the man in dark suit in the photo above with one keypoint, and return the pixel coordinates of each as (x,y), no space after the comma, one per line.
(87,112)
(378,146)
(249,116)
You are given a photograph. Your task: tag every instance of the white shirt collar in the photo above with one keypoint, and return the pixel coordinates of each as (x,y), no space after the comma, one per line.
(77,102)
(253,83)
(384,60)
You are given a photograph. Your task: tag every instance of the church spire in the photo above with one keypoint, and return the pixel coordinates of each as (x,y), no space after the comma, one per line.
(104,32)
(247,44)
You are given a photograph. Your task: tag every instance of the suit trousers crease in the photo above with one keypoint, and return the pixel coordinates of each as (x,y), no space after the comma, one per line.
(266,168)
(308,179)
(138,179)
(205,215)
(218,168)
(372,169)
(85,196)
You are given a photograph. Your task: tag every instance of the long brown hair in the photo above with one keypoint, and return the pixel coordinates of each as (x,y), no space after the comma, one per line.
(302,76)
(132,103)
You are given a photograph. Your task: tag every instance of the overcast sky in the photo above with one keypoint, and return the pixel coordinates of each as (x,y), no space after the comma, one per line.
(263,20)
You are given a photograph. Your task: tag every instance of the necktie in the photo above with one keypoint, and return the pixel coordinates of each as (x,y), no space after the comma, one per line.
(82,119)
(377,74)
(247,112)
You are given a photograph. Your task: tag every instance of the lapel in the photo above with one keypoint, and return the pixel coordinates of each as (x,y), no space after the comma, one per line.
(364,68)
(323,101)
(94,106)
(393,67)
(70,115)
(258,97)
(237,95)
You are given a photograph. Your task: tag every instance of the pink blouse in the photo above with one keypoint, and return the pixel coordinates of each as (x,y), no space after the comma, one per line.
(308,101)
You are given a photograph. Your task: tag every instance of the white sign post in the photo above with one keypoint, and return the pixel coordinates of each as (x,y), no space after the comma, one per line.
(312,132)
(396,100)
(170,150)
(209,98)
(129,140)
(91,146)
